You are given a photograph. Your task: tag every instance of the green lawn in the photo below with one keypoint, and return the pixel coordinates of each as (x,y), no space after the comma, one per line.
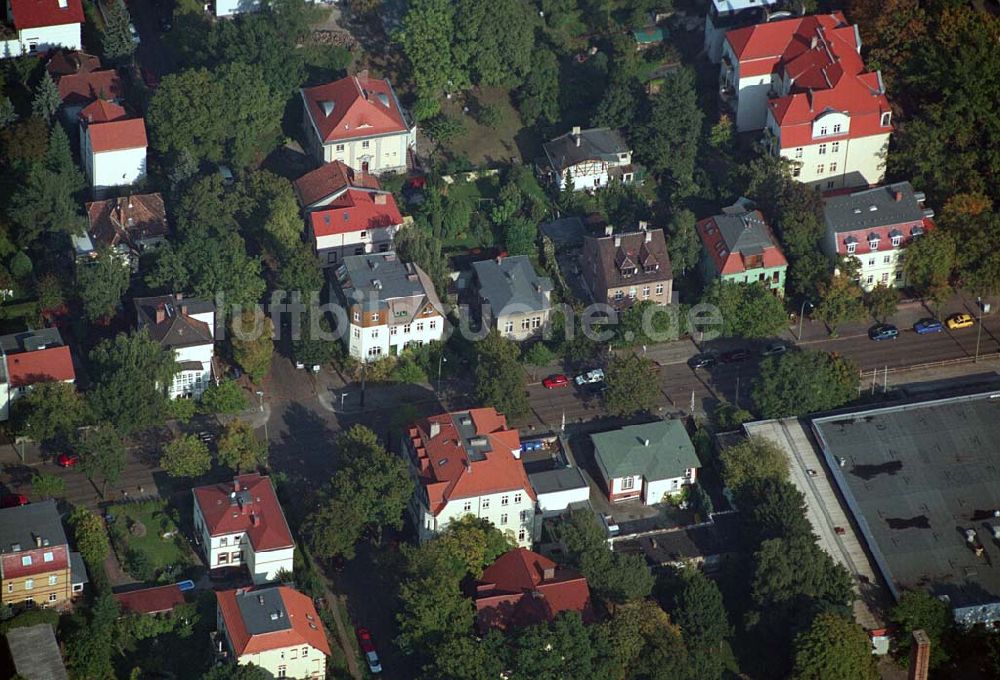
(160,552)
(483,145)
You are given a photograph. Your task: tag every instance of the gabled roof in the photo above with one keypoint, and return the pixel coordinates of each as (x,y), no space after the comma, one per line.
(68,62)
(22,529)
(247,505)
(353,107)
(655,451)
(86,86)
(569,149)
(329,181)
(117,135)
(127,219)
(512,282)
(380,281)
(356,210)
(102,111)
(157,600)
(735,240)
(170,321)
(640,249)
(271,618)
(36,356)
(39,13)
(886,205)
(524,588)
(467,454)
(35,653)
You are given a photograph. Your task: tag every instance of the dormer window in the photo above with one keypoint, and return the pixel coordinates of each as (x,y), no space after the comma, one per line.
(873,243)
(851,246)
(897,239)
(650,268)
(886,119)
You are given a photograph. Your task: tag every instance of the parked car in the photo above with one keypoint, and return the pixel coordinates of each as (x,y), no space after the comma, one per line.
(961,320)
(554,381)
(13,500)
(883,331)
(67,460)
(774,349)
(368,649)
(928,325)
(590,377)
(135,34)
(734,356)
(702,361)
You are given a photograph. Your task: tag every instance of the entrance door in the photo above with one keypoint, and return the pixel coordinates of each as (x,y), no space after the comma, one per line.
(364,167)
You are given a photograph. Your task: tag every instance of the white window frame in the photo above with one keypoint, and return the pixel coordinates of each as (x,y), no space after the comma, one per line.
(628,483)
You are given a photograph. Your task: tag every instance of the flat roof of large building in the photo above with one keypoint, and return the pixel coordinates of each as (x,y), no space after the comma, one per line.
(918,478)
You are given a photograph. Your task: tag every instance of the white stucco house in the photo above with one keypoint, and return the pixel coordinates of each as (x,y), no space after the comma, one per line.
(585,160)
(645,462)
(228,8)
(112,146)
(38,26)
(469,463)
(187,327)
(358,120)
(241,524)
(726,15)
(389,305)
(275,628)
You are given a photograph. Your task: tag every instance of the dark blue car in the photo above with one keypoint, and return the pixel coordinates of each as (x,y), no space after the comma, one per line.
(928,325)
(883,331)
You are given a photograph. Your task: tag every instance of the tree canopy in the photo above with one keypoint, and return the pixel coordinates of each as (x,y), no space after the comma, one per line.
(748,310)
(834,648)
(186,456)
(632,385)
(102,283)
(102,455)
(239,449)
(753,459)
(797,383)
(49,410)
(499,376)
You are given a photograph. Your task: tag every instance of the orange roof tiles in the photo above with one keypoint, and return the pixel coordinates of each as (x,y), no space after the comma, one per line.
(53,364)
(151,600)
(305,626)
(40,13)
(355,106)
(356,210)
(253,510)
(117,135)
(102,111)
(331,180)
(82,87)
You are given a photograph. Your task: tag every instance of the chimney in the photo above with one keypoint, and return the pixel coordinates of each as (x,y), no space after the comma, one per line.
(649,237)
(609,230)
(260,600)
(814,42)
(548,573)
(255,519)
(380,199)
(468,466)
(645,442)
(38,541)
(236,484)
(618,241)
(899,196)
(161,314)
(435,429)
(184,310)
(643,225)
(920,656)
(63,4)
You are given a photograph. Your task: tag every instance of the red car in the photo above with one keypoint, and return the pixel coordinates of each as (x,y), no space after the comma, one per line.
(67,460)
(13,500)
(368,649)
(554,381)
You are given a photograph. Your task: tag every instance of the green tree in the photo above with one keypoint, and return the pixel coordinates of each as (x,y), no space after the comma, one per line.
(116,43)
(102,455)
(499,377)
(275,219)
(241,671)
(777,509)
(841,300)
(538,97)
(520,236)
(919,610)
(633,631)
(8,114)
(25,141)
(49,410)
(426,37)
(90,537)
(752,460)
(417,245)
(239,449)
(834,648)
(618,577)
(47,100)
(632,385)
(494,43)
(564,648)
(930,260)
(668,142)
(47,486)
(469,658)
(683,243)
(130,372)
(186,456)
(619,108)
(538,355)
(722,135)
(102,283)
(253,343)
(804,382)
(748,310)
(785,570)
(89,647)
(882,302)
(226,397)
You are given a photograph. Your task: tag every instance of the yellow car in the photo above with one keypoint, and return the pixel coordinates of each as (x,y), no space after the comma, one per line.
(956,321)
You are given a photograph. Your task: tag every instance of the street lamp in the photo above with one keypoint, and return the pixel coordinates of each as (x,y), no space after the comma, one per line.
(442,360)
(260,400)
(979,322)
(802,315)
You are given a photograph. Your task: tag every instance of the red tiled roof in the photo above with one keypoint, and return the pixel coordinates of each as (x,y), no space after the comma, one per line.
(728,261)
(447,472)
(53,364)
(260,515)
(299,607)
(78,88)
(355,210)
(862,236)
(39,13)
(14,567)
(151,600)
(69,62)
(331,179)
(117,135)
(101,111)
(514,591)
(362,107)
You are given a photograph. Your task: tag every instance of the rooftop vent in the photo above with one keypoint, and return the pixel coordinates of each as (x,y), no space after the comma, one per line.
(442,461)
(15,547)
(872,208)
(260,599)
(327,107)
(384,98)
(645,442)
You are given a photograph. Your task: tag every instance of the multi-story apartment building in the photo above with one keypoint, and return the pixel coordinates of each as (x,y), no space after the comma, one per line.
(358,120)
(874,227)
(469,463)
(804,82)
(275,628)
(589,159)
(519,299)
(625,268)
(726,15)
(242,524)
(185,326)
(389,305)
(34,557)
(29,358)
(738,246)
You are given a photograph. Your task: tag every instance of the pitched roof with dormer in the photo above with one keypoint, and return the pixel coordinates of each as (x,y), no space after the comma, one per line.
(630,258)
(27,14)
(467,454)
(871,218)
(512,284)
(170,320)
(258,620)
(86,86)
(356,210)
(330,181)
(737,242)
(128,220)
(247,505)
(354,107)
(36,356)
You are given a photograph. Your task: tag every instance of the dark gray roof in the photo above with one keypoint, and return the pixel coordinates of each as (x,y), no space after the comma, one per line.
(21,526)
(382,280)
(77,569)
(854,211)
(263,611)
(566,232)
(36,653)
(658,450)
(512,282)
(176,329)
(595,144)
(476,445)
(560,479)
(29,341)
(746,233)
(721,537)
